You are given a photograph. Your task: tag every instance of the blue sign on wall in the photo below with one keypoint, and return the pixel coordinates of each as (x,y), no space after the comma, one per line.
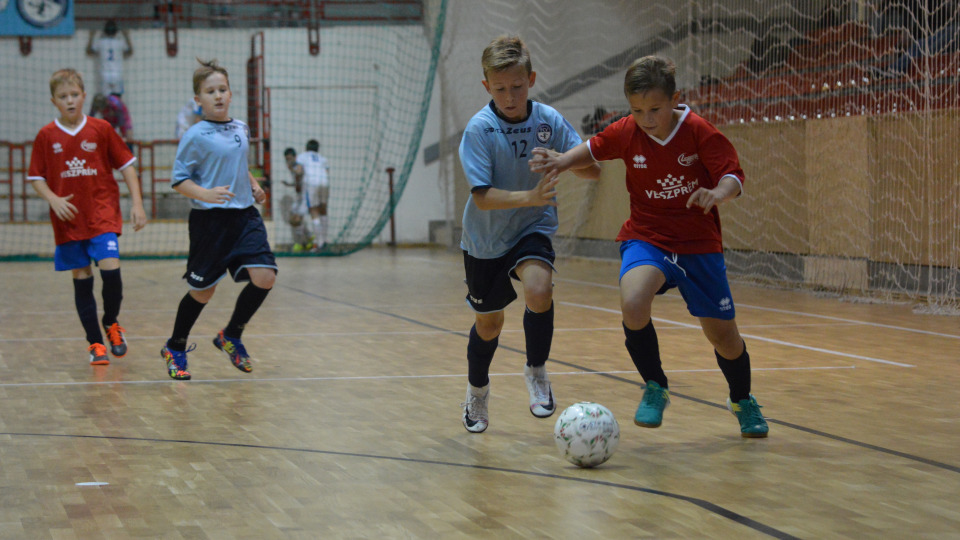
(36,18)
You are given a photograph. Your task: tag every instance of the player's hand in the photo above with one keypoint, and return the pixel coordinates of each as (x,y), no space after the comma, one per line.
(258,194)
(138,216)
(217,195)
(705,198)
(545,161)
(545,192)
(63,209)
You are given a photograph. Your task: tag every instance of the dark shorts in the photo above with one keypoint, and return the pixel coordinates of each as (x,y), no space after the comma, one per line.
(488,280)
(223,239)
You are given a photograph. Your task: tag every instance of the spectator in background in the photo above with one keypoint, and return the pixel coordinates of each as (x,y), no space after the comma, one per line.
(189,115)
(110,51)
(112,109)
(933,26)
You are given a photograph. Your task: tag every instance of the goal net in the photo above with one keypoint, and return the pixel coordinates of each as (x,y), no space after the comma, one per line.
(354,76)
(844,113)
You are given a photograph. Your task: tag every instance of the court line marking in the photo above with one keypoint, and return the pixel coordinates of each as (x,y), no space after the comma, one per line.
(387,377)
(701,503)
(760,338)
(787,312)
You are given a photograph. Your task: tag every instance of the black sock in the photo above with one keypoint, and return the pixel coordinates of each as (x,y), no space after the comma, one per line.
(87,309)
(538,331)
(737,373)
(248,302)
(644,349)
(479,357)
(112,296)
(187,314)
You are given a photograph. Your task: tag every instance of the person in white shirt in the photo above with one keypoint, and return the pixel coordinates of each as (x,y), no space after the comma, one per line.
(313,168)
(110,51)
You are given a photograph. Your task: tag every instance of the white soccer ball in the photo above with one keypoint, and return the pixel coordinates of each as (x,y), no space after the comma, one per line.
(587,434)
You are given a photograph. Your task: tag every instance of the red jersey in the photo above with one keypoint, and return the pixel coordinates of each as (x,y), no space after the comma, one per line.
(661,176)
(81,162)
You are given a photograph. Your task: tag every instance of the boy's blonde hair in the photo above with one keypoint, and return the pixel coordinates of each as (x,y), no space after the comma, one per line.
(650,73)
(65,76)
(206,69)
(505,52)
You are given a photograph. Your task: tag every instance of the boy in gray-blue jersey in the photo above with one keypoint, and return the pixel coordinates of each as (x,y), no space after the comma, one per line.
(226,230)
(508,223)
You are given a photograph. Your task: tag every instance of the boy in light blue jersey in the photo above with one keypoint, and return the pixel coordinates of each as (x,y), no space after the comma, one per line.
(226,230)
(508,223)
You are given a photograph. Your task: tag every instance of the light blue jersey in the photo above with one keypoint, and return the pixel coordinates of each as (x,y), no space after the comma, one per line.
(215,154)
(496,153)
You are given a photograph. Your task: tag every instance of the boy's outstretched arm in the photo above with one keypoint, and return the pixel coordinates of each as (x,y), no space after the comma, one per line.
(190,189)
(61,206)
(498,199)
(728,188)
(578,159)
(137,214)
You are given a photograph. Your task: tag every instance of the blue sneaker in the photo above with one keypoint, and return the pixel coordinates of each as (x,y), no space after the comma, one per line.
(177,362)
(747,411)
(650,411)
(235,350)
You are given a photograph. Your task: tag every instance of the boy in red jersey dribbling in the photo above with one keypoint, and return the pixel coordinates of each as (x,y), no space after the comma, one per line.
(71,167)
(680,168)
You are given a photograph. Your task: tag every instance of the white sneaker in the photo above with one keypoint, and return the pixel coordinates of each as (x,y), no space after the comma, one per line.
(475,408)
(542,404)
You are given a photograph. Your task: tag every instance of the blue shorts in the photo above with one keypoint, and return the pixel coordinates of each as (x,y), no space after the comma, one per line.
(77,254)
(226,239)
(489,288)
(701,278)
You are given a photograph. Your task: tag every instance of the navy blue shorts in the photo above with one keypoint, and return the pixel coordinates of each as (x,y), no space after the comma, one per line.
(701,278)
(77,254)
(226,239)
(488,280)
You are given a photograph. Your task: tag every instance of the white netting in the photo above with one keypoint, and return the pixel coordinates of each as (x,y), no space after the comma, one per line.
(844,114)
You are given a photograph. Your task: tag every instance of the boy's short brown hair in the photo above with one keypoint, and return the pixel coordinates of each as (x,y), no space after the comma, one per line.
(505,52)
(206,69)
(650,73)
(65,76)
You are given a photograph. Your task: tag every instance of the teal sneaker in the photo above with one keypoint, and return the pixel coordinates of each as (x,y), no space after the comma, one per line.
(747,411)
(650,411)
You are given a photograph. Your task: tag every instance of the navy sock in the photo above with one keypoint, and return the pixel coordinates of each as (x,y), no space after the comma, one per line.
(644,349)
(248,302)
(87,309)
(737,373)
(112,296)
(187,314)
(538,331)
(479,357)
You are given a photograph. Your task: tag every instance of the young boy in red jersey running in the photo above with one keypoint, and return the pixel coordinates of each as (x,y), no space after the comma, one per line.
(679,169)
(71,167)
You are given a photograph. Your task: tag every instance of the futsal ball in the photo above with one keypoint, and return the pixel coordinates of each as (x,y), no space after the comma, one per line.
(587,434)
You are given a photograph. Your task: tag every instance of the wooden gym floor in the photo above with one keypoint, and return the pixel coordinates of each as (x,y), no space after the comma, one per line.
(349,425)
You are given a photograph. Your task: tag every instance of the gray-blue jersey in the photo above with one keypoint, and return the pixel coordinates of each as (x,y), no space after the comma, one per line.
(496,153)
(215,154)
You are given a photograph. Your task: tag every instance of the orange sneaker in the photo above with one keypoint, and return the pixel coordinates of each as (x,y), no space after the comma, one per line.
(98,355)
(118,344)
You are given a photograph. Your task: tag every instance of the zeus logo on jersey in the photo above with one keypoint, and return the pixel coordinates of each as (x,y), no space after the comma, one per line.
(89,146)
(639,162)
(509,130)
(194,276)
(671,188)
(76,168)
(686,160)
